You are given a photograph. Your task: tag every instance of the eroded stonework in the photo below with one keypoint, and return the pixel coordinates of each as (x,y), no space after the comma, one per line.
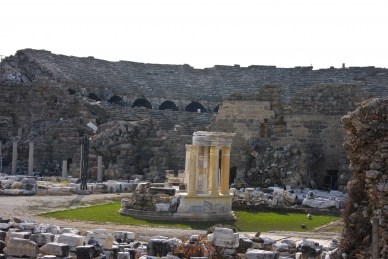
(286,120)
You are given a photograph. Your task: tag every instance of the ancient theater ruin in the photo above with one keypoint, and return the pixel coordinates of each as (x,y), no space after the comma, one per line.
(286,120)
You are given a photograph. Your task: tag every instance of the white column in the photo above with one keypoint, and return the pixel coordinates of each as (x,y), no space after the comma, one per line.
(80,161)
(213,170)
(64,168)
(14,155)
(225,168)
(31,158)
(192,190)
(99,169)
(187,166)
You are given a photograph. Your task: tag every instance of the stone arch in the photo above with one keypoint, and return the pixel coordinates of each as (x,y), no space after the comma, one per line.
(116,100)
(216,109)
(194,106)
(168,105)
(142,103)
(94,96)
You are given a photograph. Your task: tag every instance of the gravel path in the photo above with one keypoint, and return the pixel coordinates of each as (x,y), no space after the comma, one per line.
(28,206)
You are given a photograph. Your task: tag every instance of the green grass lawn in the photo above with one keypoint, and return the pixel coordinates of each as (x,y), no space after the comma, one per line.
(245,220)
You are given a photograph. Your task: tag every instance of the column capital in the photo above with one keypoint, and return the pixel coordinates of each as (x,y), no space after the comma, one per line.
(191,147)
(225,150)
(214,149)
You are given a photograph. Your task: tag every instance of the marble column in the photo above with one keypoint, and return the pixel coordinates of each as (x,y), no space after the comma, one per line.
(187,165)
(64,168)
(80,160)
(14,155)
(99,169)
(192,190)
(213,170)
(31,158)
(225,168)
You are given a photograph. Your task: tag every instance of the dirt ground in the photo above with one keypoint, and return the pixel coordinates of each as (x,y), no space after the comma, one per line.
(28,206)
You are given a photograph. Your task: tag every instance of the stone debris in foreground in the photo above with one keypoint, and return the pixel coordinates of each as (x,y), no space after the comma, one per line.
(50,242)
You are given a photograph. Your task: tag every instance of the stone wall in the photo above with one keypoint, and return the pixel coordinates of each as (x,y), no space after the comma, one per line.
(366,144)
(289,144)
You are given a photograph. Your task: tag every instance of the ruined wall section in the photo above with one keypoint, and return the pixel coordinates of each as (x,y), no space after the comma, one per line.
(289,144)
(366,143)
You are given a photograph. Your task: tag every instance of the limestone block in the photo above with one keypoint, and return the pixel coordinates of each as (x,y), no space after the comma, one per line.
(158,247)
(26,226)
(42,238)
(333,244)
(123,237)
(14,192)
(372,174)
(101,236)
(280,247)
(86,252)
(22,247)
(261,254)
(72,240)
(24,235)
(6,226)
(123,255)
(321,204)
(70,230)
(225,237)
(57,249)
(244,245)
(162,206)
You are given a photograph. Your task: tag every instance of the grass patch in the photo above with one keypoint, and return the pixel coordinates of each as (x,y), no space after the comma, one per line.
(245,220)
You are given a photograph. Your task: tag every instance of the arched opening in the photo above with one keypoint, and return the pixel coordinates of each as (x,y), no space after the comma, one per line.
(116,100)
(94,97)
(318,173)
(142,103)
(216,109)
(194,107)
(232,174)
(71,91)
(330,181)
(168,105)
(69,161)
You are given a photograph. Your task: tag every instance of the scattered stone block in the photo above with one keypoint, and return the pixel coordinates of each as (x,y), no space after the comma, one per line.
(24,235)
(244,245)
(261,254)
(225,237)
(101,236)
(158,247)
(124,237)
(22,247)
(57,249)
(72,240)
(42,238)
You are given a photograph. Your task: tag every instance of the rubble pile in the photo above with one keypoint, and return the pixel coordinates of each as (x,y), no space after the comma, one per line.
(290,197)
(273,165)
(21,238)
(51,185)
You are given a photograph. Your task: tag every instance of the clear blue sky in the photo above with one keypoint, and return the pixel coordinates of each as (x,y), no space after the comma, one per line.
(202,33)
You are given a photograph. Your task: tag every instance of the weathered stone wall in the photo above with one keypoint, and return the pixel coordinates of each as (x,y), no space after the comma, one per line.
(366,144)
(50,98)
(289,144)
